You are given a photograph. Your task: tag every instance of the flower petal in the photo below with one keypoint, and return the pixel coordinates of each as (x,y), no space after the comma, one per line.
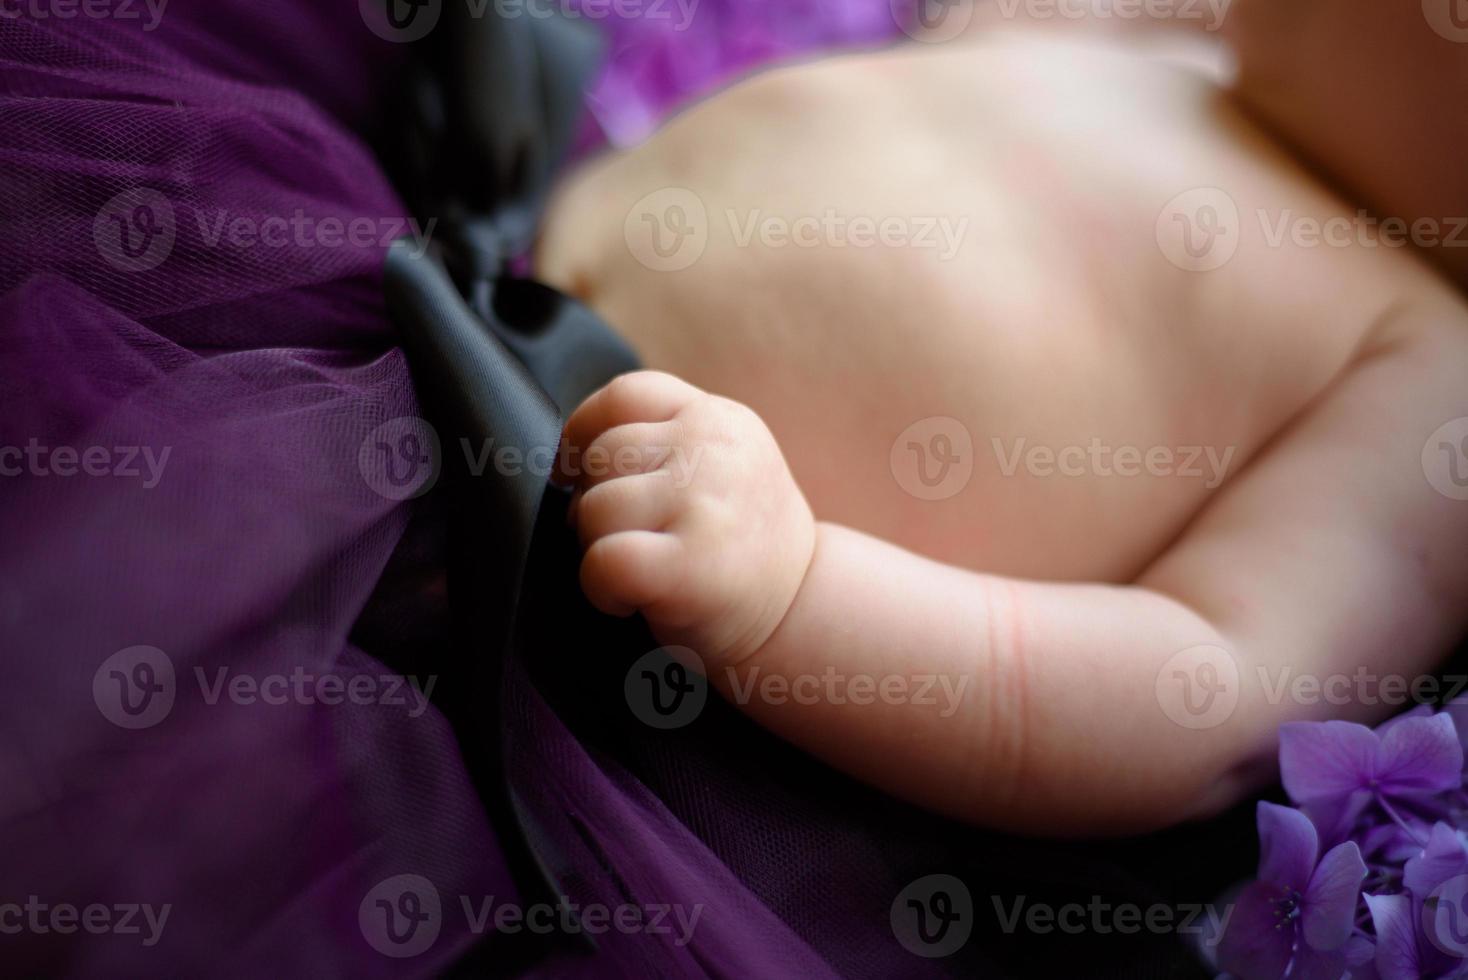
(1335,817)
(1288,846)
(1330,900)
(1360,955)
(1396,940)
(1444,857)
(1388,843)
(1457,709)
(1421,711)
(1254,947)
(1326,760)
(1315,964)
(1421,755)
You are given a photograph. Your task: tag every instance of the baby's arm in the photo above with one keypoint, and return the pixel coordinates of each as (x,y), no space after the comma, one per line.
(1332,552)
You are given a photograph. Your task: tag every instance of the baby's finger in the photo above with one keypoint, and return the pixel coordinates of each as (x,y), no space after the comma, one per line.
(626,450)
(636,503)
(643,396)
(631,570)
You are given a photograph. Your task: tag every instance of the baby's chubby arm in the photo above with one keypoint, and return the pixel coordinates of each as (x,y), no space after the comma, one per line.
(689,515)
(1043,716)
(1042,708)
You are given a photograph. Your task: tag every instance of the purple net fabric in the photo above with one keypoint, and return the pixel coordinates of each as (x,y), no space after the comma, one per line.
(247,373)
(194,359)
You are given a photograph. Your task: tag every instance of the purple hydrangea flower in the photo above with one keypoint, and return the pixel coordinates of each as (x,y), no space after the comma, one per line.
(1401,950)
(1301,911)
(1335,770)
(1389,899)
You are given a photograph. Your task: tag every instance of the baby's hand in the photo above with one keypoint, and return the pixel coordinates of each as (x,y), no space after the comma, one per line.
(688,514)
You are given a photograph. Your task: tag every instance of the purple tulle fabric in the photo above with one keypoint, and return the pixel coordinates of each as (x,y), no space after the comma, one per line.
(221,399)
(258,370)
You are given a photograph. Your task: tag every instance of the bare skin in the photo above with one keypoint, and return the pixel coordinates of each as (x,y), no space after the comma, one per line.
(1351,85)
(1066,316)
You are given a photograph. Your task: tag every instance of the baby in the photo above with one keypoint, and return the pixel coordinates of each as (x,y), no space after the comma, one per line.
(1169,428)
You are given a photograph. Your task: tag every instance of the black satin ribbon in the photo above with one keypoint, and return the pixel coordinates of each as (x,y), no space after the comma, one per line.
(502,380)
(484,117)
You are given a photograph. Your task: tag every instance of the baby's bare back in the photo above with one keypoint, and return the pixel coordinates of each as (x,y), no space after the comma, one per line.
(1096,302)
